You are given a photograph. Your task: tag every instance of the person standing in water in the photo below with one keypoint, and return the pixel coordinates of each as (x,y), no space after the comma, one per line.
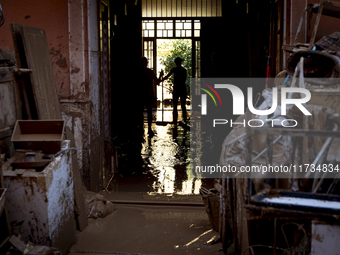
(147,89)
(179,88)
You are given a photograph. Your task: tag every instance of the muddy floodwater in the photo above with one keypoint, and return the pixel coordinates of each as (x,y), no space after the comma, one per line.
(157,164)
(158,206)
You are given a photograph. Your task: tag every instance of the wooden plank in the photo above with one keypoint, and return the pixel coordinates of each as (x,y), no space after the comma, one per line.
(42,77)
(26,100)
(17,243)
(18,46)
(79,204)
(316,25)
(23,87)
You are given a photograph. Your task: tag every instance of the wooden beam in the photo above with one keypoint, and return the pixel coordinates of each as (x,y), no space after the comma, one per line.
(330,8)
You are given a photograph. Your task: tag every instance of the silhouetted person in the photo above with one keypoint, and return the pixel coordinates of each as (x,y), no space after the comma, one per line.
(179,89)
(148,84)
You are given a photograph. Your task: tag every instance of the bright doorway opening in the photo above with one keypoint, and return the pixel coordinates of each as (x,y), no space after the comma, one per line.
(167,51)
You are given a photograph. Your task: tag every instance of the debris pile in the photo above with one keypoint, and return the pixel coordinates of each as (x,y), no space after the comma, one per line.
(284,213)
(97,206)
(14,245)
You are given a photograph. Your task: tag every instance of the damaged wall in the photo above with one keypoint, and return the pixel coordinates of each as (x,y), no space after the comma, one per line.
(81,110)
(72,32)
(52,16)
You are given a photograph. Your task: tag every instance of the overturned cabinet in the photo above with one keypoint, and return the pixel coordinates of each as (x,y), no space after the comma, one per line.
(41,203)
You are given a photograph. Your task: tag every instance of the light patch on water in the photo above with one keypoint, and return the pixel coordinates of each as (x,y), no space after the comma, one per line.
(168,163)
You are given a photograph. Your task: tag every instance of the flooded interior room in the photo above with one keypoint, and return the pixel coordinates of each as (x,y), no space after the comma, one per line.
(169,127)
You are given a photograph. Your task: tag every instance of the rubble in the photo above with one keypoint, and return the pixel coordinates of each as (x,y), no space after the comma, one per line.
(97,206)
(16,245)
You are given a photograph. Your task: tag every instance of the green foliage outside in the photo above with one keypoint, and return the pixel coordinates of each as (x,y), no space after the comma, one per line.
(176,48)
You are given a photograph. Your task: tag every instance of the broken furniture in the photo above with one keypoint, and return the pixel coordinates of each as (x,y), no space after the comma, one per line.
(39,94)
(16,245)
(23,159)
(273,206)
(298,201)
(319,67)
(276,206)
(44,135)
(304,206)
(32,138)
(41,204)
(328,8)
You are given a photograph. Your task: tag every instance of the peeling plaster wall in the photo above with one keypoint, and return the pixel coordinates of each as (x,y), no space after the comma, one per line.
(26,201)
(96,136)
(77,117)
(41,204)
(60,207)
(76,26)
(72,31)
(82,112)
(52,16)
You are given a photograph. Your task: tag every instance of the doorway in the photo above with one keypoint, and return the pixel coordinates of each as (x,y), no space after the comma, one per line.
(167,51)
(154,30)
(163,39)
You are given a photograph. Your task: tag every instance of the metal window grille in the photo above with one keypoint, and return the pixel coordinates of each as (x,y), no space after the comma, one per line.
(171,28)
(181,8)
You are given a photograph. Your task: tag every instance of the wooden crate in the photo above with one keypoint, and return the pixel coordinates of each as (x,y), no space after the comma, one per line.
(44,135)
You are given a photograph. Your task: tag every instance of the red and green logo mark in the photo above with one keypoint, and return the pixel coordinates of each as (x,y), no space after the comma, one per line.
(210,94)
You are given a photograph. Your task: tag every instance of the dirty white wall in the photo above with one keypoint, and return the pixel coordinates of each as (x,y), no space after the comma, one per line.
(82,111)
(76,27)
(96,136)
(41,204)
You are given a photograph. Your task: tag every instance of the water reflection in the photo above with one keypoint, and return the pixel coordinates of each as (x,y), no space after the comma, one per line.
(159,163)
